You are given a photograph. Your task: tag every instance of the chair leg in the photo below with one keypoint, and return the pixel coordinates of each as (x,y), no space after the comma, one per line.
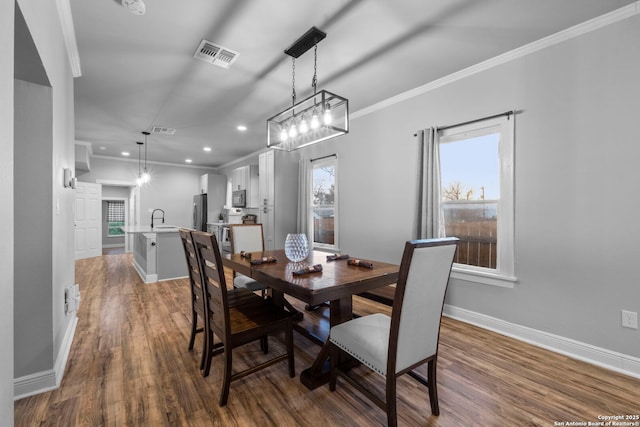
(289,342)
(205,349)
(264,344)
(333,356)
(194,327)
(392,416)
(226,377)
(433,386)
(208,354)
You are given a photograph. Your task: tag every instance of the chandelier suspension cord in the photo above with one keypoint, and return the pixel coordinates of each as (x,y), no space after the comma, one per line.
(293,80)
(145,153)
(314,81)
(139,174)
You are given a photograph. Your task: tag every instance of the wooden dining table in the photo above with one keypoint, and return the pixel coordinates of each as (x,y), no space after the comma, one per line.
(336,283)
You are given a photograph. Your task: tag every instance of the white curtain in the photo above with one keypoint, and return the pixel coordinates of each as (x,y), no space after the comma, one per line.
(430,215)
(302,224)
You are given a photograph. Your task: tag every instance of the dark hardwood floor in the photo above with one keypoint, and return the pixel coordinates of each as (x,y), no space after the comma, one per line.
(129,366)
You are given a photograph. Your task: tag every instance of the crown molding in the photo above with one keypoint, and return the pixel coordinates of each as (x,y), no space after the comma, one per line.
(69,35)
(243,159)
(150,162)
(570,33)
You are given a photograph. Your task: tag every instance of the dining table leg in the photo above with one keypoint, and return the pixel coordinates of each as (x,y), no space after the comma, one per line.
(340,311)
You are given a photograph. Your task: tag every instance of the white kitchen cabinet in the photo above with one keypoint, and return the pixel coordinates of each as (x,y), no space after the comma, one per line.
(239,178)
(246,178)
(278,190)
(204,183)
(266,178)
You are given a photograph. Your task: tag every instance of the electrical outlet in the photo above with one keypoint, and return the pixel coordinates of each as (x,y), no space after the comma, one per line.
(630,319)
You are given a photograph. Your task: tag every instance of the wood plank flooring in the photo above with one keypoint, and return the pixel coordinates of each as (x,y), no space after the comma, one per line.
(129,366)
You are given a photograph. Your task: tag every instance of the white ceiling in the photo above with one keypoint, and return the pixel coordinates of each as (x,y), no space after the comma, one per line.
(138,70)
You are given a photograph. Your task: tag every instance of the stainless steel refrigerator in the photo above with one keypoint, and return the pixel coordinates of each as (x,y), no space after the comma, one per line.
(200,212)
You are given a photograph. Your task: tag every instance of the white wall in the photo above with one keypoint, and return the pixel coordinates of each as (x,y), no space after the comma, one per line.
(171,187)
(577,149)
(6,213)
(33,218)
(41,18)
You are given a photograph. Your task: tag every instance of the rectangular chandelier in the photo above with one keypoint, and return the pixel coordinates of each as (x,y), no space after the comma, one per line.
(321,116)
(317,118)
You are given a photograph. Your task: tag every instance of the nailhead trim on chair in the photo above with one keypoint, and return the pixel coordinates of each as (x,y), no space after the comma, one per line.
(346,350)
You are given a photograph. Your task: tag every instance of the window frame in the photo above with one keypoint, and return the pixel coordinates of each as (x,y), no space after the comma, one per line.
(328,160)
(504,273)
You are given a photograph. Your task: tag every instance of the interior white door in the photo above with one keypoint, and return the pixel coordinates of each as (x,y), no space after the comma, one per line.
(88,217)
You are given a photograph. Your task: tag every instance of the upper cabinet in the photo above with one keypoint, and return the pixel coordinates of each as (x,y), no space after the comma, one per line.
(239,178)
(266,184)
(246,178)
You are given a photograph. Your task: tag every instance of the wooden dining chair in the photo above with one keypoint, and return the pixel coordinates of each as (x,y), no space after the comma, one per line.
(250,238)
(197,299)
(236,318)
(393,346)
(246,238)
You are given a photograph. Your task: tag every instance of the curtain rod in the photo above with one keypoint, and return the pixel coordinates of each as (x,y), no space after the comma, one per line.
(506,113)
(324,157)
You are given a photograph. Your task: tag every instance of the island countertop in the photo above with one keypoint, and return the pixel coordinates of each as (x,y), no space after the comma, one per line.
(160,228)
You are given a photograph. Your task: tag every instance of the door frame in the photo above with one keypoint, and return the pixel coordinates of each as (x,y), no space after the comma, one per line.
(131,206)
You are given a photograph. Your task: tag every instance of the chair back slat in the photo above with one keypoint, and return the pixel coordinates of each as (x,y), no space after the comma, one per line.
(195,280)
(246,237)
(419,298)
(216,286)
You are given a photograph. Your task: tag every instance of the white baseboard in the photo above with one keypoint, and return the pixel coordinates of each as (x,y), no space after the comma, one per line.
(50,379)
(146,278)
(608,359)
(113,245)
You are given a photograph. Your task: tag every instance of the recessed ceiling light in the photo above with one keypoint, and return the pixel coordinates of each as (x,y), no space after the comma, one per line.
(241,128)
(125,153)
(207,148)
(103,147)
(188,160)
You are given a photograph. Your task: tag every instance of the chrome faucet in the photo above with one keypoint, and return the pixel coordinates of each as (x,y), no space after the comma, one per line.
(153,213)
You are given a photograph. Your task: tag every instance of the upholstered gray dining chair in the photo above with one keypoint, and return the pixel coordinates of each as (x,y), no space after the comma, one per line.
(393,346)
(246,238)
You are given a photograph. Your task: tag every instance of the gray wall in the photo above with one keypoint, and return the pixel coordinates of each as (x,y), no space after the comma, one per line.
(40,353)
(6,214)
(33,216)
(171,187)
(576,173)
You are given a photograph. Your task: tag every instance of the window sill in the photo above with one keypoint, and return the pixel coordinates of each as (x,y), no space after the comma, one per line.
(483,278)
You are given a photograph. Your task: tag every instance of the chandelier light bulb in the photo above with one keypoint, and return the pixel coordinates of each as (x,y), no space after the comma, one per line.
(292,131)
(139,182)
(146,177)
(284,135)
(315,122)
(304,128)
(326,117)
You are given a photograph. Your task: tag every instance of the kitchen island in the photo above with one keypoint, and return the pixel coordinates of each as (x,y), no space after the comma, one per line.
(157,252)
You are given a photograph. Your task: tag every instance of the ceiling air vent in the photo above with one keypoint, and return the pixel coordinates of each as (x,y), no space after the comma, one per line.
(216,55)
(163,130)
